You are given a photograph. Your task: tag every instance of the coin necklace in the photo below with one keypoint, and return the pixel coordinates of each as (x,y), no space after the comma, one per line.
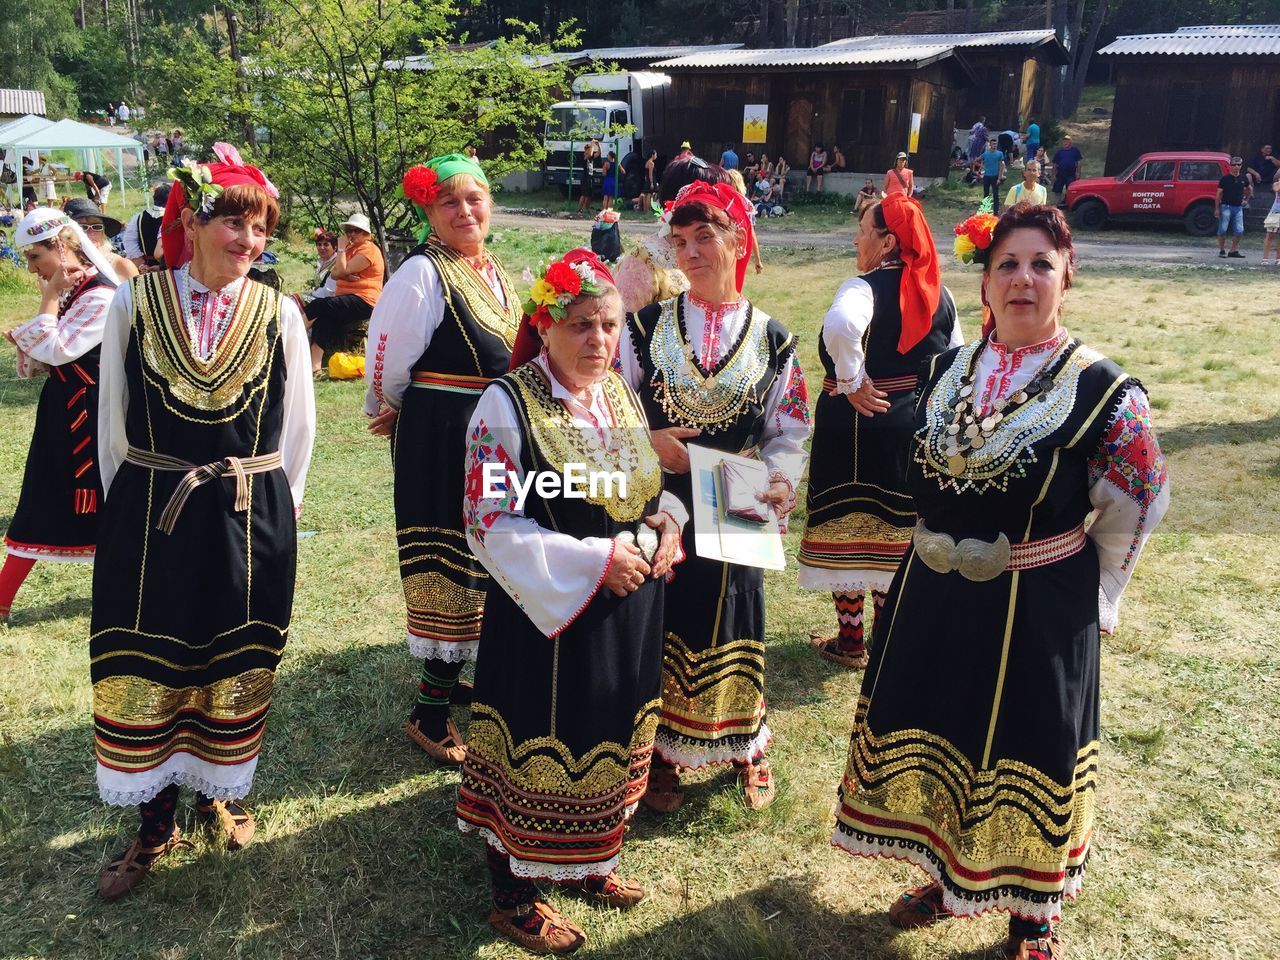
(969,429)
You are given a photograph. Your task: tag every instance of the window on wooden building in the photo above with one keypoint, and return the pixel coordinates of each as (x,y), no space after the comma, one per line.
(861,115)
(1195,116)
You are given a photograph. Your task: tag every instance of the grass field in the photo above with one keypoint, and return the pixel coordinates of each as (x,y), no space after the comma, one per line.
(357,855)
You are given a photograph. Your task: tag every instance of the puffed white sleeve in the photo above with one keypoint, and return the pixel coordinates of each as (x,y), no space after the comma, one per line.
(787,427)
(626,363)
(113,387)
(57,340)
(957,334)
(405,318)
(131,239)
(298,431)
(843,328)
(1129,489)
(551,576)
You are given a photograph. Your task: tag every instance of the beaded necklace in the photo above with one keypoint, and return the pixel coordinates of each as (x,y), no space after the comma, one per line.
(206,314)
(969,429)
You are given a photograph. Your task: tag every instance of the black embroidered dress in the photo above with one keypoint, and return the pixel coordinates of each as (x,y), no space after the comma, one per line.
(859,515)
(189,625)
(567,689)
(57,513)
(440,332)
(752,399)
(975,746)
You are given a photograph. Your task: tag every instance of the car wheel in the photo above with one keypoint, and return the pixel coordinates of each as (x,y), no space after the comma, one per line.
(1091,215)
(1200,221)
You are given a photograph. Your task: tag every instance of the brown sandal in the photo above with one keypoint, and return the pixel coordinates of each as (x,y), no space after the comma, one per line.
(556,933)
(755,780)
(125,872)
(452,750)
(919,907)
(664,793)
(617,891)
(234,821)
(1038,948)
(829,649)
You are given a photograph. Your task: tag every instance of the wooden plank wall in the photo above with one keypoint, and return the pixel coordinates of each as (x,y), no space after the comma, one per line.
(1193,103)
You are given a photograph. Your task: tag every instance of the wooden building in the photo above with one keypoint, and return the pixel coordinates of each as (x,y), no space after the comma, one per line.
(1014,73)
(20,103)
(861,99)
(1201,88)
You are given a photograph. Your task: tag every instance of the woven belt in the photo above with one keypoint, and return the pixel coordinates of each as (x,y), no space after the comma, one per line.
(888,384)
(979,560)
(452,382)
(239,467)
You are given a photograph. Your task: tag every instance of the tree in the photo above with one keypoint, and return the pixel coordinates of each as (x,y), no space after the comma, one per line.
(32,34)
(324,83)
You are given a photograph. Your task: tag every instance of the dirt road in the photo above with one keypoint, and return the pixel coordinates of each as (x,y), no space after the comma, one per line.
(1194,251)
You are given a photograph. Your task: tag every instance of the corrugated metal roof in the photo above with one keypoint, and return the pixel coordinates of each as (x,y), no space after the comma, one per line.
(1001,38)
(1206,41)
(600,54)
(811,57)
(22,101)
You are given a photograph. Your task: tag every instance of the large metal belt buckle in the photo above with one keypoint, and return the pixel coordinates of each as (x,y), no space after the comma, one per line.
(974,560)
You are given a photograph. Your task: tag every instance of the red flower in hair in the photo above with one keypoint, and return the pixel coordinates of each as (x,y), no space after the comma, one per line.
(542,319)
(421,185)
(564,278)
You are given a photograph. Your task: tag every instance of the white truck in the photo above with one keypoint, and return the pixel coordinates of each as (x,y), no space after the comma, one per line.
(624,111)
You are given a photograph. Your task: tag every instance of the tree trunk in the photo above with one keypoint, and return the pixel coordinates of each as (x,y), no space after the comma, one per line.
(1085,55)
(793,21)
(1060,87)
(762,32)
(106,13)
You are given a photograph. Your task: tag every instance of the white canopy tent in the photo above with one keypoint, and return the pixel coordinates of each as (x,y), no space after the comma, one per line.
(36,134)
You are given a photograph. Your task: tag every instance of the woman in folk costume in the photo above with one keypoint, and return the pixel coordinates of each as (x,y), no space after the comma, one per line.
(206,424)
(441,331)
(567,690)
(987,783)
(881,327)
(712,368)
(57,513)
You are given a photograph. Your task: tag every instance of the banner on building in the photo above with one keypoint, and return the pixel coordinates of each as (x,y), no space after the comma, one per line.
(755,122)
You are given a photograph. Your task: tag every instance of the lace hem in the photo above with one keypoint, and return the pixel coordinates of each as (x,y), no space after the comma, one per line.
(1000,902)
(852,385)
(185,778)
(681,752)
(542,871)
(450,651)
(1108,614)
(843,581)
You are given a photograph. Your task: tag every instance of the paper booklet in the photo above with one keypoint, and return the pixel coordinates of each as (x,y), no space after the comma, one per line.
(718,536)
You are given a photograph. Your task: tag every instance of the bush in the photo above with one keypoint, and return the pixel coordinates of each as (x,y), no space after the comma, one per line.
(13,279)
(822,198)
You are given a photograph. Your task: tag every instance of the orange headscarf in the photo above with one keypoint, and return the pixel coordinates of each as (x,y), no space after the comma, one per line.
(921,287)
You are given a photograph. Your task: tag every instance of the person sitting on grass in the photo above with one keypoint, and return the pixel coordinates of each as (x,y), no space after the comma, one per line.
(866,197)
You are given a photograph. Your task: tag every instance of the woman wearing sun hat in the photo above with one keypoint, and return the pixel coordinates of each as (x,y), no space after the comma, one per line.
(337,322)
(57,513)
(567,689)
(206,423)
(442,330)
(101,228)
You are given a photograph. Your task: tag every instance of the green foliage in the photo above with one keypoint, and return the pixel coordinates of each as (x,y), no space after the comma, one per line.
(33,33)
(14,280)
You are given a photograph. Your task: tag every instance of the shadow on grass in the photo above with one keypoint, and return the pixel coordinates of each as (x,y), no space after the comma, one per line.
(67,608)
(1177,439)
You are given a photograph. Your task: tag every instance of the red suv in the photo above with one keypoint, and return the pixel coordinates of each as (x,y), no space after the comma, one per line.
(1170,183)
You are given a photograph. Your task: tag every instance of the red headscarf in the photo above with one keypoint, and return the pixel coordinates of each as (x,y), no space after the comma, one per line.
(528,342)
(230,170)
(726,197)
(921,287)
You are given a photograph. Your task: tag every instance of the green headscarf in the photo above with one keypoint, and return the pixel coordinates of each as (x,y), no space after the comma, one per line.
(445,167)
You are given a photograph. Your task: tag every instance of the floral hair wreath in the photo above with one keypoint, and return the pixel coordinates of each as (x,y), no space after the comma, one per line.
(420,186)
(197,183)
(558,286)
(973,235)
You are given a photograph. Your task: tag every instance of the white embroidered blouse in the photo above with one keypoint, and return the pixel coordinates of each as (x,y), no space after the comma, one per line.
(1129,479)
(551,576)
(297,433)
(47,340)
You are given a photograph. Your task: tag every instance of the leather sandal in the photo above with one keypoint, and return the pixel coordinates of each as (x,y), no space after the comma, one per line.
(616,891)
(829,649)
(918,907)
(1037,948)
(555,933)
(755,780)
(126,871)
(664,793)
(234,821)
(452,750)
